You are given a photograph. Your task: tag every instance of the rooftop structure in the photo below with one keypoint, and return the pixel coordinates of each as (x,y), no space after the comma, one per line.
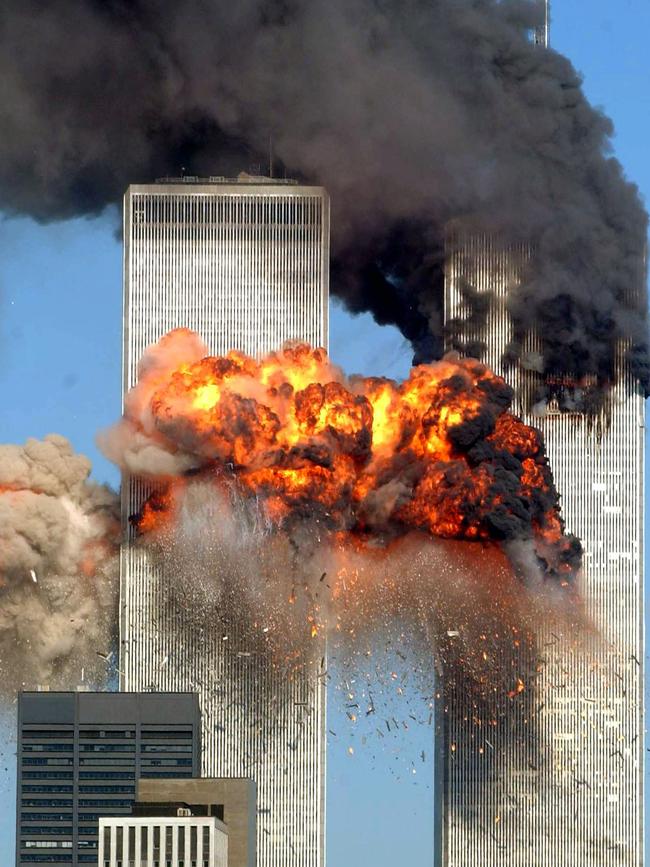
(231,800)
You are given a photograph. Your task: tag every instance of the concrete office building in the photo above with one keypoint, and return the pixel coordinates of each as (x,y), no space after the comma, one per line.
(172,840)
(79,756)
(244,263)
(565,786)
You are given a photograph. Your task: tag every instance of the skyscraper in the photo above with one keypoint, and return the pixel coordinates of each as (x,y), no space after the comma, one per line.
(565,786)
(245,263)
(79,757)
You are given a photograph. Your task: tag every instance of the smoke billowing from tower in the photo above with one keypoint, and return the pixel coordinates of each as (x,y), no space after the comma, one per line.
(410,113)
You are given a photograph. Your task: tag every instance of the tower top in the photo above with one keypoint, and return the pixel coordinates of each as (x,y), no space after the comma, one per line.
(542,33)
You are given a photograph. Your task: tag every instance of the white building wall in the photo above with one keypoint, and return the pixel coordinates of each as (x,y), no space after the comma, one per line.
(565,788)
(157,841)
(246,265)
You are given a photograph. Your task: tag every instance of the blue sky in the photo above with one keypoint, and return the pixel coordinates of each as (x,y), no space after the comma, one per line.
(60,321)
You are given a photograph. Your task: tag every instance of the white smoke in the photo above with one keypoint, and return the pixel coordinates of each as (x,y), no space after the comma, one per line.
(59,537)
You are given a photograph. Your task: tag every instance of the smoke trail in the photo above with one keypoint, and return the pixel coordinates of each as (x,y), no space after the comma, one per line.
(58,567)
(411,113)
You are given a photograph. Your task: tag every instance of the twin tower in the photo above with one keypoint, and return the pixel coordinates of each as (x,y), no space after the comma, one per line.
(245,263)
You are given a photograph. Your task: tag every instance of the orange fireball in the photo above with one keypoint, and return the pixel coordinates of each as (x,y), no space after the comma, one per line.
(369,457)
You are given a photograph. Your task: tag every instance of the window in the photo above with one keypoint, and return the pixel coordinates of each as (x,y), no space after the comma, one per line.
(166,735)
(59,858)
(46,802)
(93,734)
(166,748)
(35,789)
(107,789)
(26,761)
(46,844)
(107,748)
(167,763)
(106,775)
(40,733)
(47,775)
(48,748)
(46,817)
(153,775)
(113,802)
(103,760)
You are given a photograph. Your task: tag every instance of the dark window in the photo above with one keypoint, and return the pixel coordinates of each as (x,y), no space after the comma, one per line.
(117,802)
(40,733)
(42,859)
(106,760)
(47,775)
(34,789)
(46,817)
(47,761)
(167,763)
(152,775)
(104,733)
(107,789)
(166,735)
(106,775)
(166,748)
(48,748)
(107,748)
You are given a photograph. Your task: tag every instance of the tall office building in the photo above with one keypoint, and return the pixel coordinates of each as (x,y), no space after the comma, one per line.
(563,786)
(245,263)
(79,757)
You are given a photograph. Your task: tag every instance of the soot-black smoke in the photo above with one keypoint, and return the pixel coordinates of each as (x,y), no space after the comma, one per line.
(411,113)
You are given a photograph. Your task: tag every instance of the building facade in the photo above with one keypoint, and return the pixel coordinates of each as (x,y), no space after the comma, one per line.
(564,786)
(79,757)
(174,841)
(231,800)
(245,263)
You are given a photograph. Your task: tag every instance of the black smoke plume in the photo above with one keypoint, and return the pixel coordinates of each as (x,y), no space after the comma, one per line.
(411,113)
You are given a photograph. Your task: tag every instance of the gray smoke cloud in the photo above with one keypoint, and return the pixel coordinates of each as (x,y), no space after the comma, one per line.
(59,537)
(411,113)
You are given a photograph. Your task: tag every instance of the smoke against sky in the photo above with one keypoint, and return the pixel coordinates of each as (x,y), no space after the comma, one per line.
(59,538)
(410,113)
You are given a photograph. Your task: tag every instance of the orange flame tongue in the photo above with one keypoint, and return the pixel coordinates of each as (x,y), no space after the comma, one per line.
(439,452)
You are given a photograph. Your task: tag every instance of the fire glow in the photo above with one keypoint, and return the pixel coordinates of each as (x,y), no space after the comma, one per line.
(368,457)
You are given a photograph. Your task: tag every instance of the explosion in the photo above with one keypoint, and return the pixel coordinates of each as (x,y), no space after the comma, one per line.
(371,459)
(288,503)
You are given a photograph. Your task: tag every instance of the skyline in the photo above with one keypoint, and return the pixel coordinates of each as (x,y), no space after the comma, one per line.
(56,266)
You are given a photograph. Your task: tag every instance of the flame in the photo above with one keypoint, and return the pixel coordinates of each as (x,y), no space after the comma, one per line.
(519,688)
(439,452)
